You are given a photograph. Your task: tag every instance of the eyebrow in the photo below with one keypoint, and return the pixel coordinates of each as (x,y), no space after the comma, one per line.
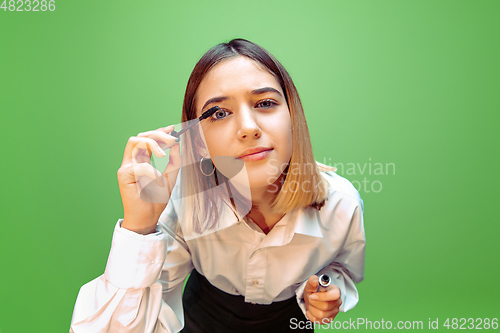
(259,91)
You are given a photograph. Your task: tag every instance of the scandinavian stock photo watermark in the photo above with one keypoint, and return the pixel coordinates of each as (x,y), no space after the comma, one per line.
(370,324)
(294,177)
(372,173)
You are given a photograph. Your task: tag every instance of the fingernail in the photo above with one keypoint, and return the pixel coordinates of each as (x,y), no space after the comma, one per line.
(162,151)
(313,297)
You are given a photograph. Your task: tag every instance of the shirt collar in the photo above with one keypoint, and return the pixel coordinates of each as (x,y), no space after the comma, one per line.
(302,221)
(307,223)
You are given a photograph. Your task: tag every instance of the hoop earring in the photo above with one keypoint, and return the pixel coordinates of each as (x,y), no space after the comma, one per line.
(201,166)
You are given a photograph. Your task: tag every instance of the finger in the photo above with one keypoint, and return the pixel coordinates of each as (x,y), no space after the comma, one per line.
(311,285)
(173,166)
(174,158)
(319,314)
(163,139)
(146,146)
(331,294)
(311,317)
(326,305)
(145,169)
(167,129)
(139,149)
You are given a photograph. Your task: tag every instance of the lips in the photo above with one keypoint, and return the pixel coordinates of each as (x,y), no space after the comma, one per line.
(254,150)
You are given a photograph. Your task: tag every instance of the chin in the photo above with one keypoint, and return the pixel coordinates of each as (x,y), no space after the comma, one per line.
(261,177)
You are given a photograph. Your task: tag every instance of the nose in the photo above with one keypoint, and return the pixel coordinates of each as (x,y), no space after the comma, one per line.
(248,125)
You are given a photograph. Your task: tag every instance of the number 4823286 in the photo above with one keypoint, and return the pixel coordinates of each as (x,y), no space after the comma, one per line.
(33,6)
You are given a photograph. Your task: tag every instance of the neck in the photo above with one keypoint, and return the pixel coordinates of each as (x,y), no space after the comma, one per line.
(261,212)
(262,198)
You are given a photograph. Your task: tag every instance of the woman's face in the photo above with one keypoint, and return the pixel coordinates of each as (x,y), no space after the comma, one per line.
(254,114)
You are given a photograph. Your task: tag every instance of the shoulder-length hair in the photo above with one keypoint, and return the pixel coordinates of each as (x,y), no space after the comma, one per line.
(303,185)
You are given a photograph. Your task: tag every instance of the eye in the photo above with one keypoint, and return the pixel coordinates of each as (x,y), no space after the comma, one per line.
(267,103)
(219,114)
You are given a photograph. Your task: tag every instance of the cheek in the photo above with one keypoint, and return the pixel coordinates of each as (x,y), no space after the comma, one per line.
(215,144)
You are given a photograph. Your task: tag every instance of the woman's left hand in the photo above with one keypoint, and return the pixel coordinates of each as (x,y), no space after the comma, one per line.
(321,307)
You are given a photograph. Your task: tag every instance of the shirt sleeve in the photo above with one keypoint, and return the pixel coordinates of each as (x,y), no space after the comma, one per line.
(348,266)
(140,290)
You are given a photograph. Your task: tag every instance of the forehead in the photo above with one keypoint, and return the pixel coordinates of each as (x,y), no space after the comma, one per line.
(234,76)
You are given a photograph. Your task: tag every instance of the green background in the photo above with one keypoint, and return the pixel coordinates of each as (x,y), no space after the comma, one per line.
(414,83)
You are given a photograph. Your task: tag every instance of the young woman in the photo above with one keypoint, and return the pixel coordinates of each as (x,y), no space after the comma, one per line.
(246,211)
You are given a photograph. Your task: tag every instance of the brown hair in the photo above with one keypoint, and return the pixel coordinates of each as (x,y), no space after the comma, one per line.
(301,188)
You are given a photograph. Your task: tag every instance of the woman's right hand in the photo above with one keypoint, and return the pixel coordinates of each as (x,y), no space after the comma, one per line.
(145,191)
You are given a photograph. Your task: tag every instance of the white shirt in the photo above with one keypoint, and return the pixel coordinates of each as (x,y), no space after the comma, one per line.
(141,288)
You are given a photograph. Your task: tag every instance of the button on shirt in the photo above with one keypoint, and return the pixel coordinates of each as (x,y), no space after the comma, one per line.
(141,288)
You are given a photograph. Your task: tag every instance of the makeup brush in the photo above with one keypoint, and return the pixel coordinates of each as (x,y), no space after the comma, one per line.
(205,115)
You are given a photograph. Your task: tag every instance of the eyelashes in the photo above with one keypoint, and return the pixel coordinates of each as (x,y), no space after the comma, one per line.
(268,101)
(265,104)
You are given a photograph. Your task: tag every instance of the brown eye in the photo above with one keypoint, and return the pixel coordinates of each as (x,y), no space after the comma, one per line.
(267,103)
(220,114)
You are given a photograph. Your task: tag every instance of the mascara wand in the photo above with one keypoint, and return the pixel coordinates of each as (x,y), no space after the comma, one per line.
(205,115)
